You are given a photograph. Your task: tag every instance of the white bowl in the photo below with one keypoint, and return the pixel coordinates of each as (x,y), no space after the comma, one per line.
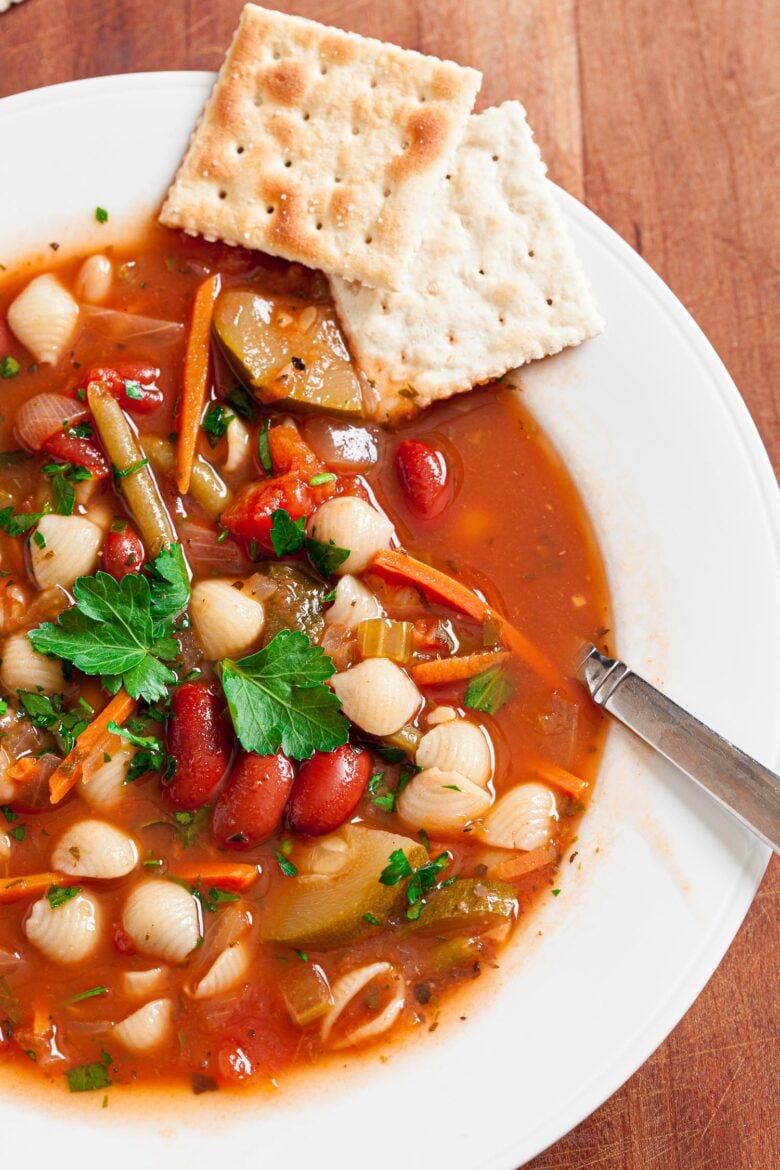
(686,508)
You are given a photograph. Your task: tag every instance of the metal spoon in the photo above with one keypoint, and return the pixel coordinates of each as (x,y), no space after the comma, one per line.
(745,787)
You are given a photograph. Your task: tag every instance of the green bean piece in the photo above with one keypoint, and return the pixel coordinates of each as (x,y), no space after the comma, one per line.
(206,486)
(133,476)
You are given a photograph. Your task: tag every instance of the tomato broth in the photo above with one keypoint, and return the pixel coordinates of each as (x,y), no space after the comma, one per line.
(266,980)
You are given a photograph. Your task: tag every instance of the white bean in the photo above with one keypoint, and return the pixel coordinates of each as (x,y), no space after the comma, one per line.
(441,802)
(377,695)
(457,746)
(225,972)
(522,819)
(226,620)
(94,280)
(67,933)
(95,849)
(24,669)
(5,847)
(64,548)
(351,523)
(43,317)
(353,604)
(440,715)
(147,1028)
(238,445)
(162,919)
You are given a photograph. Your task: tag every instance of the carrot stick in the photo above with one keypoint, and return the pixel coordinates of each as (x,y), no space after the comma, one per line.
(441,670)
(566,781)
(65,776)
(451,592)
(18,888)
(196,372)
(225,874)
(519,865)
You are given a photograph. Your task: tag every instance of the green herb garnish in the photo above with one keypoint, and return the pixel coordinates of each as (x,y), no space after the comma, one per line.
(16,524)
(84,1078)
(9,367)
(326,558)
(101,215)
(92,993)
(278,698)
(323,477)
(63,476)
(287,535)
(285,865)
(489,691)
(264,447)
(45,711)
(57,896)
(216,423)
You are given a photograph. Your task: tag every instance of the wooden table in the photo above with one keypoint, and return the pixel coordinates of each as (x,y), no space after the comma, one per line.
(663,116)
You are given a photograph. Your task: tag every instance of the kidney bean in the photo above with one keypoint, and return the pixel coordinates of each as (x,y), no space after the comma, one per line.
(327,790)
(424,477)
(122,553)
(199,740)
(252,802)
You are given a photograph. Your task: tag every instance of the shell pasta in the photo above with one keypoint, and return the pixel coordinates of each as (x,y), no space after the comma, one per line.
(278,750)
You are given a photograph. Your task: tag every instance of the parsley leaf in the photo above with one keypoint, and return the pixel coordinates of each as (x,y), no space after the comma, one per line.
(287,535)
(16,524)
(90,994)
(488,691)
(422,880)
(86,1077)
(63,476)
(9,367)
(216,423)
(101,215)
(277,698)
(242,403)
(122,630)
(285,865)
(326,558)
(264,447)
(47,712)
(150,757)
(398,867)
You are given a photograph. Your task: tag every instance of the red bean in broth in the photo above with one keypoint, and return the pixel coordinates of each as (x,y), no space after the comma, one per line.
(252,802)
(328,789)
(343,446)
(199,740)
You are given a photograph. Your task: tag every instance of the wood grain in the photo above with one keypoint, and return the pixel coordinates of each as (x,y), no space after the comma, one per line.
(662,115)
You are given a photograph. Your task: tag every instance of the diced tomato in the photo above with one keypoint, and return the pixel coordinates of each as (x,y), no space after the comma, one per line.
(257,1040)
(424,477)
(250,513)
(73,449)
(122,553)
(290,454)
(199,740)
(427,634)
(133,384)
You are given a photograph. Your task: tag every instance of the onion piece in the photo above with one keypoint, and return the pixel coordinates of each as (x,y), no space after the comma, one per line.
(42,416)
(117,325)
(342,445)
(207,554)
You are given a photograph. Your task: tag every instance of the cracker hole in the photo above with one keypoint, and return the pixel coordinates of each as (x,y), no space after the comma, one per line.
(306,117)
(288,162)
(422,98)
(502,320)
(549,300)
(383,306)
(404,146)
(374,83)
(239,150)
(277,56)
(270,208)
(448,177)
(319,227)
(495,158)
(323,69)
(369,239)
(355,129)
(258,100)
(387,192)
(452,338)
(337,178)
(531,253)
(403,357)
(223,194)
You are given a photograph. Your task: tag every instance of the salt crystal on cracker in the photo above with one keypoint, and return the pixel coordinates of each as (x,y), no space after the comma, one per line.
(321,146)
(496,282)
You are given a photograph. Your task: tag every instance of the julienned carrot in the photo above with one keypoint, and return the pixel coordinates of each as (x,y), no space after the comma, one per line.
(451,592)
(68,772)
(521,864)
(17,888)
(196,372)
(566,781)
(443,670)
(224,874)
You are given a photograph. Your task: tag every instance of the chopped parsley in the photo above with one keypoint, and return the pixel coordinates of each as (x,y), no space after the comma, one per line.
(212,899)
(123,630)
(131,469)
(39,539)
(489,691)
(150,757)
(264,447)
(371,918)
(9,814)
(421,880)
(101,215)
(285,865)
(326,558)
(57,896)
(84,1078)
(242,403)
(216,423)
(133,390)
(287,535)
(9,367)
(92,993)
(278,698)
(18,832)
(323,477)
(63,476)
(17,523)
(47,712)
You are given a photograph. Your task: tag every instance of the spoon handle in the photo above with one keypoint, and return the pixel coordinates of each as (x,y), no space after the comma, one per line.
(747,788)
